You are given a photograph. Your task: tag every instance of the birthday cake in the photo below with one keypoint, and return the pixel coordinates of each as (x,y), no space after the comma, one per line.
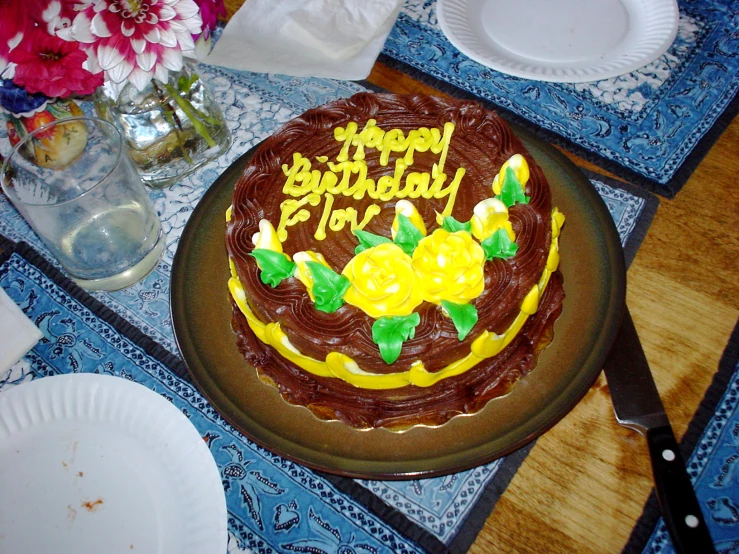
(394,260)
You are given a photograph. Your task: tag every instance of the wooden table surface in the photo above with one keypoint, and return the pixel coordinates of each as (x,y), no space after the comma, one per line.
(585,482)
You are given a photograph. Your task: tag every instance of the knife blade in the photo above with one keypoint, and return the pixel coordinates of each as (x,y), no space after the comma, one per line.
(638,406)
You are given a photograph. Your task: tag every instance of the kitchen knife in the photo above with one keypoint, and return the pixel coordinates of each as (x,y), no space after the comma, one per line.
(638,406)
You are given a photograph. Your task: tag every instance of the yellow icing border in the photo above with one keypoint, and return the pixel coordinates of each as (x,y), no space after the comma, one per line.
(340,366)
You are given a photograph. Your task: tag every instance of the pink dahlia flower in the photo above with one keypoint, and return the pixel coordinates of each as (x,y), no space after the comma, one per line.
(15,23)
(136,41)
(57,15)
(209,12)
(51,66)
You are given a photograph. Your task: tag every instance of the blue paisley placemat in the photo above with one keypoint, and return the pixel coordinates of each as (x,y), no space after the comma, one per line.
(273,505)
(711,450)
(440,515)
(650,127)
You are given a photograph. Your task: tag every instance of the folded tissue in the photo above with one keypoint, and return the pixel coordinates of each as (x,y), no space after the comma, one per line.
(335,39)
(18,334)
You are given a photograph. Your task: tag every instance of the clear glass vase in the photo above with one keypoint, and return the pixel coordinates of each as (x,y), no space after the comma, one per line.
(171,129)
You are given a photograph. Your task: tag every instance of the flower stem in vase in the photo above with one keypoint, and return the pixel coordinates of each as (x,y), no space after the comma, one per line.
(171,129)
(172,118)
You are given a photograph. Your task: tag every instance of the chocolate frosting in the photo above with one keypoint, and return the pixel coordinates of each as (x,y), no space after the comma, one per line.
(481,143)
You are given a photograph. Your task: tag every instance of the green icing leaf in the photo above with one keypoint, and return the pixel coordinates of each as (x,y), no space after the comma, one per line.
(452,225)
(499,245)
(368,240)
(328,287)
(407,235)
(464,317)
(512,191)
(390,332)
(275,266)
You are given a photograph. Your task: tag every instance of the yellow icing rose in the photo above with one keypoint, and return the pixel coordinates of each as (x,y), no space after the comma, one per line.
(382,282)
(488,216)
(520,167)
(403,207)
(303,273)
(449,266)
(266,237)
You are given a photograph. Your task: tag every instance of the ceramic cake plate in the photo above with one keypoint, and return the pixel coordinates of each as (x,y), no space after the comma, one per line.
(594,280)
(566,41)
(96,463)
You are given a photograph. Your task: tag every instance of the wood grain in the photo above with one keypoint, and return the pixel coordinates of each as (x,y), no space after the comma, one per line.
(585,483)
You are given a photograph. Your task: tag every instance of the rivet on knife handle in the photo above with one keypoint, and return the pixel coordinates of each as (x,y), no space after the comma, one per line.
(638,406)
(677,500)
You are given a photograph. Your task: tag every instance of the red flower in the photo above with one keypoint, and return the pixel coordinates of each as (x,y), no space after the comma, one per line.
(15,22)
(20,16)
(52,66)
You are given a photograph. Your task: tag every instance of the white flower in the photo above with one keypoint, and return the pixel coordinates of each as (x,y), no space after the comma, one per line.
(137,41)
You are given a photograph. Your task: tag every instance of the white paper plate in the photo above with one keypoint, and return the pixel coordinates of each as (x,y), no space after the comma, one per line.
(99,464)
(566,41)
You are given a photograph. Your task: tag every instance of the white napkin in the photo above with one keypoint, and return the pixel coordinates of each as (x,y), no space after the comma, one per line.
(18,334)
(335,39)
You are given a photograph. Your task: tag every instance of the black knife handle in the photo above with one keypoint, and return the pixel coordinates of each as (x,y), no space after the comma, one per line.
(680,508)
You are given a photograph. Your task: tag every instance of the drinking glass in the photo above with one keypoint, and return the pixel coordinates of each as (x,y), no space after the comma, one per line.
(78,189)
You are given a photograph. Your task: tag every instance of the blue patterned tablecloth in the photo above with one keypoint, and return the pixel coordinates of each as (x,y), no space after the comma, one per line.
(650,127)
(271,501)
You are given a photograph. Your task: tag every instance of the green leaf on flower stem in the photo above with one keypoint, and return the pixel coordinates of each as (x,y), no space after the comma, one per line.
(407,235)
(499,245)
(275,266)
(192,113)
(184,83)
(512,191)
(464,317)
(328,287)
(368,240)
(389,333)
(452,225)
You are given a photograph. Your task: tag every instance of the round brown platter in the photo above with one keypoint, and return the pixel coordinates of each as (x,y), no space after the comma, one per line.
(594,279)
